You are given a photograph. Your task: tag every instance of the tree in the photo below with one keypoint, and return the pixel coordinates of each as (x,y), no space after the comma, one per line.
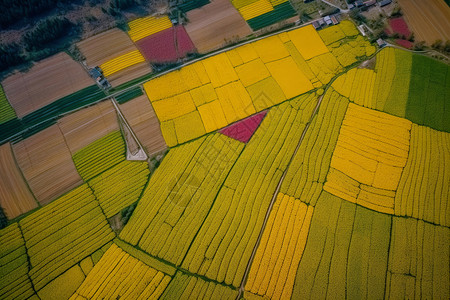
(437,45)
(419,46)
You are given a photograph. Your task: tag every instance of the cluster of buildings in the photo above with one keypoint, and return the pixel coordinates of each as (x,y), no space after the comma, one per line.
(366,4)
(325,21)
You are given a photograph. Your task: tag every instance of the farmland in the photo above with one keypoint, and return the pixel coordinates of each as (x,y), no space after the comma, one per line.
(302,164)
(430,20)
(47,81)
(213,25)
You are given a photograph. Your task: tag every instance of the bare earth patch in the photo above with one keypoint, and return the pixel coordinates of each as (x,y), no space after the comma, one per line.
(429,20)
(141,117)
(88,125)
(47,81)
(47,164)
(211,26)
(15,196)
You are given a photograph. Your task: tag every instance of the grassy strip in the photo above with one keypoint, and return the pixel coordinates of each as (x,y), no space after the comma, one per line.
(130,94)
(428,99)
(280,12)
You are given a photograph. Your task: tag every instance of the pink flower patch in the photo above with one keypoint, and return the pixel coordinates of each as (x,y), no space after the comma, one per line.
(399,26)
(166,46)
(404,43)
(243,130)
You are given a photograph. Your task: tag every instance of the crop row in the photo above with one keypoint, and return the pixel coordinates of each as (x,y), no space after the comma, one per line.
(119,275)
(424,188)
(179,198)
(6,111)
(119,186)
(282,9)
(63,233)
(307,173)
(275,264)
(184,286)
(122,62)
(224,243)
(100,155)
(358,86)
(346,254)
(230,86)
(369,158)
(15,283)
(418,260)
(255,9)
(143,27)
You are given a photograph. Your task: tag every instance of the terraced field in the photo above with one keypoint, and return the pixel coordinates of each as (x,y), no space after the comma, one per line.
(301,165)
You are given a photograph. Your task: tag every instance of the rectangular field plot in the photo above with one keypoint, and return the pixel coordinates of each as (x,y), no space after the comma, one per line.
(346,254)
(47,81)
(63,233)
(418,261)
(141,117)
(88,125)
(109,45)
(47,165)
(15,195)
(273,270)
(212,25)
(424,187)
(120,275)
(371,152)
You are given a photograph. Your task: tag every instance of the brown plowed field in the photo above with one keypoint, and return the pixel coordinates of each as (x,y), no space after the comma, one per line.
(429,20)
(15,196)
(128,74)
(47,81)
(212,24)
(142,119)
(88,125)
(47,164)
(108,45)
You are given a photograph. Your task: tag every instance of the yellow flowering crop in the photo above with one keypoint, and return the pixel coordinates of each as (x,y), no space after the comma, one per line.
(270,49)
(371,151)
(203,94)
(220,70)
(173,107)
(276,261)
(122,62)
(252,72)
(423,191)
(266,93)
(308,42)
(64,286)
(212,116)
(247,52)
(143,27)
(235,58)
(189,126)
(331,34)
(291,79)
(348,28)
(255,9)
(168,133)
(120,275)
(358,85)
(235,101)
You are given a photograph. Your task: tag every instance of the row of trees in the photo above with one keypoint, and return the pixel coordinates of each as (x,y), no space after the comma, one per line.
(15,10)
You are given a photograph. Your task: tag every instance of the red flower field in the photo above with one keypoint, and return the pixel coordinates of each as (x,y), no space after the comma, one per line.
(243,130)
(166,46)
(399,26)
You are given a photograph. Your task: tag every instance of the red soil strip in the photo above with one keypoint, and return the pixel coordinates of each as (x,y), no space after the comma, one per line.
(399,26)
(404,43)
(244,129)
(166,46)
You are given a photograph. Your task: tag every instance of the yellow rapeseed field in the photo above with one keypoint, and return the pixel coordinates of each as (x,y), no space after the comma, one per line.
(308,42)
(255,9)
(143,27)
(122,62)
(291,79)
